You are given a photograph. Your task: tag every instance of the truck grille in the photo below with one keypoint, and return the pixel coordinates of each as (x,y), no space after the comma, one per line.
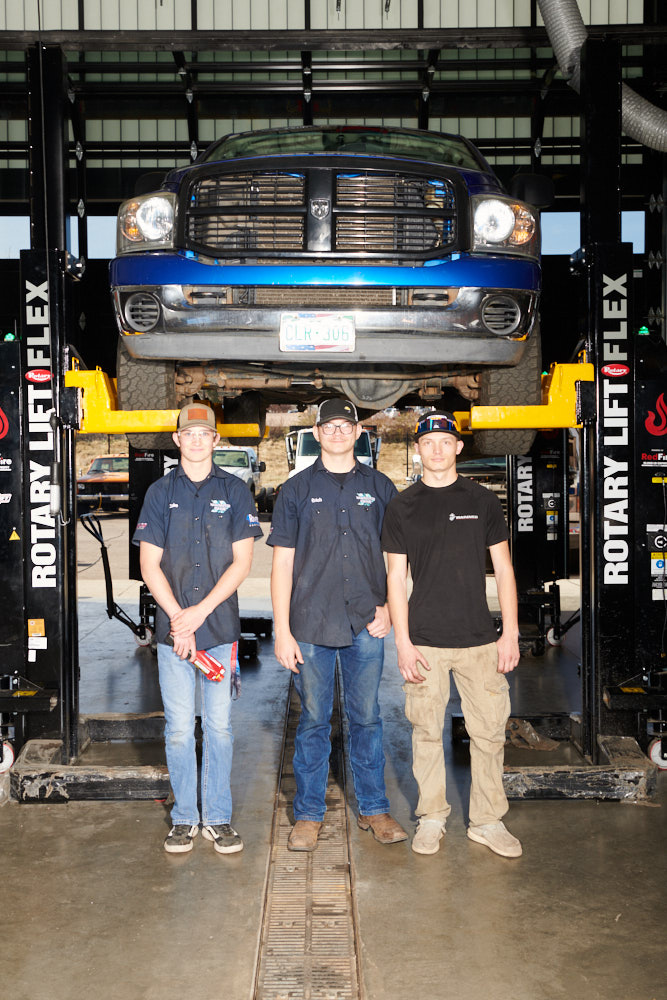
(321,213)
(327,298)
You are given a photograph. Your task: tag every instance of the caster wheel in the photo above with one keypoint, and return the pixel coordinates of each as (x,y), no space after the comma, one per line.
(552,639)
(654,752)
(147,637)
(7,757)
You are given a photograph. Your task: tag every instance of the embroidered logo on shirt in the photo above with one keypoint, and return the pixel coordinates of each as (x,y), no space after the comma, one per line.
(172,506)
(364,499)
(219,506)
(252,519)
(316,499)
(142,525)
(464,517)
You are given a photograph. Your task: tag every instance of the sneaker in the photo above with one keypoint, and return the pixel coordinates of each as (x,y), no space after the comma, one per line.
(180,837)
(428,836)
(225,838)
(498,838)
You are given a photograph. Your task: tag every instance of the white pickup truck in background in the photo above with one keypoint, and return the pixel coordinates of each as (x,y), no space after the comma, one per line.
(241,462)
(303,449)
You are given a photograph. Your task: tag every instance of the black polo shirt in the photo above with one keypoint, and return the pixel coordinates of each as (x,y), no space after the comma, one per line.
(333,523)
(196,527)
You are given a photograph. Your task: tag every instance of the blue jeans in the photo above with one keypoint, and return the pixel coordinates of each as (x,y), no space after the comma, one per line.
(361,667)
(178,683)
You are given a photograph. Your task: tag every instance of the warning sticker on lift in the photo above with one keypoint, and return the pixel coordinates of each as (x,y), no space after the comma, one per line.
(657,543)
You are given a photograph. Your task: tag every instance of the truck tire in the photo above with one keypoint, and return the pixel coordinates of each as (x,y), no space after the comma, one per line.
(146,385)
(518,386)
(247,408)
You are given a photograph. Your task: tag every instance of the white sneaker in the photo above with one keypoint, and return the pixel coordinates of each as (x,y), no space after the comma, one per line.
(499,839)
(428,836)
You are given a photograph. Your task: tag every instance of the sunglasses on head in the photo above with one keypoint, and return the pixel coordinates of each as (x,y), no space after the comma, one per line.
(436,422)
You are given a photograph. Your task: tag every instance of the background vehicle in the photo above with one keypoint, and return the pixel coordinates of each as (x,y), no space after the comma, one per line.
(293,264)
(241,462)
(303,449)
(105,484)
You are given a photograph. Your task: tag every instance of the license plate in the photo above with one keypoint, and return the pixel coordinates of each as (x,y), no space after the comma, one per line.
(314,331)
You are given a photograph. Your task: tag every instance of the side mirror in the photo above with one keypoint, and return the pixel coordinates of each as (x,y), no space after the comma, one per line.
(536,189)
(262,466)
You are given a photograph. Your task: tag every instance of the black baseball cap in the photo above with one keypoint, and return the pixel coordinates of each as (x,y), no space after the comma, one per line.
(336,409)
(437,420)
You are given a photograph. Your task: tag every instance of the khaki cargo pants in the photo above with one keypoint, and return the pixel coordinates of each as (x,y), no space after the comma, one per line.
(486,707)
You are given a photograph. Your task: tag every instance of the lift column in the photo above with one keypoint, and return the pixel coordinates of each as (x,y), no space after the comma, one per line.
(607,499)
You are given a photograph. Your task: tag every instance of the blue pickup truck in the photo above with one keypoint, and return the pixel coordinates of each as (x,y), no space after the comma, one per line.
(287,265)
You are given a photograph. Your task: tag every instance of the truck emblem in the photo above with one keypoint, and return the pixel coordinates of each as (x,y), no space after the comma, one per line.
(319,207)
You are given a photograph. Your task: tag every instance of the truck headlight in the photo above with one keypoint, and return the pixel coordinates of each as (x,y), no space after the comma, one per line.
(146,222)
(506,225)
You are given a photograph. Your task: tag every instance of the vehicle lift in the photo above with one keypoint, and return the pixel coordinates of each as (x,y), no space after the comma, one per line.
(614,394)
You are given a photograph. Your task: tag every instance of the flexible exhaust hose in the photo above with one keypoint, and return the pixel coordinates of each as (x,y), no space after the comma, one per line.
(566,30)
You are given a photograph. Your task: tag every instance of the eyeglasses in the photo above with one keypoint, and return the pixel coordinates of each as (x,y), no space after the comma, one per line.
(192,435)
(330,428)
(436,422)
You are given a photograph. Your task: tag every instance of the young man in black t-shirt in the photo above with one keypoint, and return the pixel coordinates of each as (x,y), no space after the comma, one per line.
(441,528)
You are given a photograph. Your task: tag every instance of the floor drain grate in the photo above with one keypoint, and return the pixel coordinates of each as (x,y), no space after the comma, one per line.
(308,941)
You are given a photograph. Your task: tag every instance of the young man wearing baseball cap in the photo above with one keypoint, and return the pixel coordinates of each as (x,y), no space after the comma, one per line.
(441,527)
(196,533)
(328,588)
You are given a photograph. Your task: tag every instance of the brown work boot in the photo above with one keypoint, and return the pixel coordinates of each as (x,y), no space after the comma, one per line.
(385,829)
(303,836)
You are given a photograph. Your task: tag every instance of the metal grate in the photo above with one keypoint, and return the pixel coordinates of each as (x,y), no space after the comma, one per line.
(391,233)
(308,941)
(241,232)
(251,189)
(327,298)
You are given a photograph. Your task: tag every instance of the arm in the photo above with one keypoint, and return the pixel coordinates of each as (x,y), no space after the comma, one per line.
(150,557)
(397,593)
(286,647)
(508,644)
(186,621)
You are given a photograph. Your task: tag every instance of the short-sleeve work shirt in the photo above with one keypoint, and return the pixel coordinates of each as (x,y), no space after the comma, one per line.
(196,527)
(334,527)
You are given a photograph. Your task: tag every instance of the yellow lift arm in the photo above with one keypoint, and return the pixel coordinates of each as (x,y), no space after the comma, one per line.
(100,413)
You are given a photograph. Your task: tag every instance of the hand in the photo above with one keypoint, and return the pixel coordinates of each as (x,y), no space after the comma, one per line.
(408,658)
(184,646)
(287,652)
(381,624)
(186,621)
(508,653)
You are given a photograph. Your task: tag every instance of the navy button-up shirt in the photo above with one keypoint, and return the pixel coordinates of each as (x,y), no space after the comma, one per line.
(196,527)
(334,527)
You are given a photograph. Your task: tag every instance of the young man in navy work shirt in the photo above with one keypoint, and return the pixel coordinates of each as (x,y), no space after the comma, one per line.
(441,528)
(328,588)
(196,533)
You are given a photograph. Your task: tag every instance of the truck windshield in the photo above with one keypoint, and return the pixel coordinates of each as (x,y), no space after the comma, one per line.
(231,459)
(110,464)
(431,147)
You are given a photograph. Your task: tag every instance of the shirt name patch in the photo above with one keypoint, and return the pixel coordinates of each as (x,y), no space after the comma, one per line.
(252,519)
(172,506)
(316,499)
(464,517)
(364,499)
(219,506)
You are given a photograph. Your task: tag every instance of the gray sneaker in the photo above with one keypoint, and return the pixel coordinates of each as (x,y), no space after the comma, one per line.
(428,836)
(180,837)
(498,838)
(225,838)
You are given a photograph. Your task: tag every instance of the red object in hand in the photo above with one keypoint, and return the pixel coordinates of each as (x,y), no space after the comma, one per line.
(209,666)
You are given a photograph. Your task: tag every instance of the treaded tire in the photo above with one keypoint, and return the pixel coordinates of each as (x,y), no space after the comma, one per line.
(146,385)
(247,408)
(518,386)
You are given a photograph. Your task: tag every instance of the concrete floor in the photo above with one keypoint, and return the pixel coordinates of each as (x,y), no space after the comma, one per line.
(94,907)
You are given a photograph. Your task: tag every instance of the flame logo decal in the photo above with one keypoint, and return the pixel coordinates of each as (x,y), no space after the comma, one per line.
(651,423)
(4,423)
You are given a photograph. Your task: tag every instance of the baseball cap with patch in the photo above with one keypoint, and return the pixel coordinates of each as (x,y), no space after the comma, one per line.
(196,415)
(437,420)
(336,409)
